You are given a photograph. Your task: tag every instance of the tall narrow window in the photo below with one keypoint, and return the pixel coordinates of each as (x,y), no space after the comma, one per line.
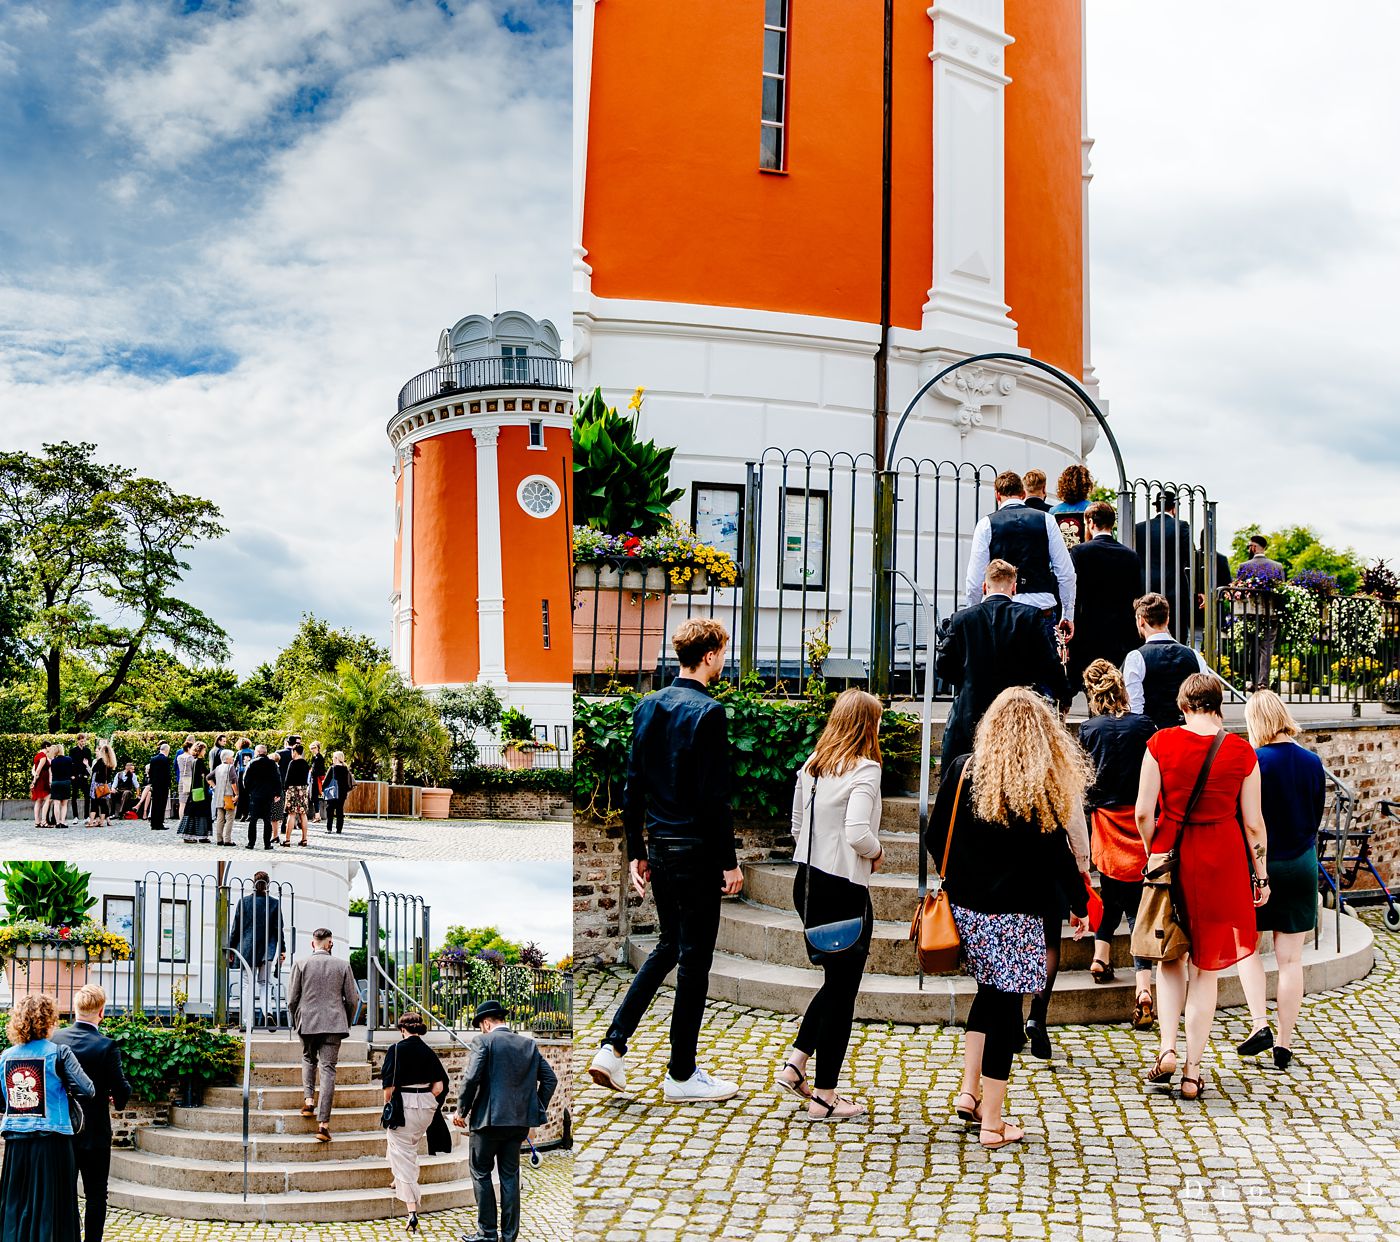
(513,364)
(544,622)
(537,433)
(772,147)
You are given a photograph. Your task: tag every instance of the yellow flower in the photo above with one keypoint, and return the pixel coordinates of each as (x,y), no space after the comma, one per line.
(636,402)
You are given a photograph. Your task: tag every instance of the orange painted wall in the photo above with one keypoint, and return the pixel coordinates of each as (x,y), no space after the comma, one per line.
(535,562)
(1044,204)
(444,559)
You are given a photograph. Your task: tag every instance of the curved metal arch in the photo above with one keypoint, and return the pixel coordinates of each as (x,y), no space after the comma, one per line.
(1024,360)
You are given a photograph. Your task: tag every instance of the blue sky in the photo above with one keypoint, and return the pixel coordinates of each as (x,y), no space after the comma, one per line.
(229,232)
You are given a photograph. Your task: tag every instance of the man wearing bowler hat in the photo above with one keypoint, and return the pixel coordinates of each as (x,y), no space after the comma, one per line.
(505,1093)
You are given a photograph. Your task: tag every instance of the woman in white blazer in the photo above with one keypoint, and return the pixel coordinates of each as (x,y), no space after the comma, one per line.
(836,827)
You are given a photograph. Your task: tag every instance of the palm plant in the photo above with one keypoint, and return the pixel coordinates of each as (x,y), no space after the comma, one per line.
(620,482)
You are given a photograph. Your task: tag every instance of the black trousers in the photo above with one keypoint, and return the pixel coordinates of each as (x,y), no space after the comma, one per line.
(259,811)
(497,1147)
(335,814)
(997,1015)
(685,882)
(825,1030)
(1120,897)
(94,1167)
(160,797)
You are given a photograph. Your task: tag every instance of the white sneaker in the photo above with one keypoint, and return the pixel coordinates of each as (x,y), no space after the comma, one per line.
(608,1069)
(699,1088)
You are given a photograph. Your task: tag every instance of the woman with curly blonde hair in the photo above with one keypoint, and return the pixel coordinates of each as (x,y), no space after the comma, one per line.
(1006,806)
(39,1181)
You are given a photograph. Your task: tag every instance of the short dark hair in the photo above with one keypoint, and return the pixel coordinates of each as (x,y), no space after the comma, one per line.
(1200,693)
(296,749)
(1008,483)
(1101,515)
(1153,608)
(322,934)
(696,638)
(1261,540)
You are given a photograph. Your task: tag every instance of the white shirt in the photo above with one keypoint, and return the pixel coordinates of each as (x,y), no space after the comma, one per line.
(1134,670)
(1060,563)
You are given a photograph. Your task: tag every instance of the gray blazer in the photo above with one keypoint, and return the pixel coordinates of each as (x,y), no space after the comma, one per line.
(323,997)
(508,1083)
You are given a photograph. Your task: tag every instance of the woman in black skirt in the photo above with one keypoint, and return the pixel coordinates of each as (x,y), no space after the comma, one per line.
(39,1183)
(836,826)
(197,821)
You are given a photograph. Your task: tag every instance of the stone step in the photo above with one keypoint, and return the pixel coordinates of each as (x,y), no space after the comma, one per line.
(946,998)
(285,1049)
(226,1120)
(900,814)
(283,1177)
(901,853)
(288,1074)
(892,896)
(270,1098)
(321,1206)
(227,1146)
(769,935)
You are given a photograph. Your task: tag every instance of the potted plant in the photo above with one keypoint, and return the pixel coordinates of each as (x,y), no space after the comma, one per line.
(518,735)
(689,565)
(47,926)
(1255,590)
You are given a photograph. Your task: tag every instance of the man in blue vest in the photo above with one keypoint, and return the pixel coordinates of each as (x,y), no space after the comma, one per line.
(1154,672)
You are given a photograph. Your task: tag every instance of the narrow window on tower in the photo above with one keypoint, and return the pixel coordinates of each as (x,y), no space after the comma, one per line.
(537,433)
(772,147)
(544,622)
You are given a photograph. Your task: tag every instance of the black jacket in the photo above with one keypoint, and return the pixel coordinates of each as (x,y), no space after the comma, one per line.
(412,1061)
(678,773)
(1038,503)
(261,781)
(158,771)
(257,930)
(508,1084)
(1110,579)
(101,1060)
(1164,546)
(986,648)
(1116,744)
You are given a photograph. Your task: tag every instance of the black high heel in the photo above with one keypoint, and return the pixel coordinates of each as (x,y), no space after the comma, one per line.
(413,1222)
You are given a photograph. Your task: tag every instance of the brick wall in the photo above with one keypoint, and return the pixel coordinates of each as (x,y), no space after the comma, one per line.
(511,804)
(558,1052)
(135,1116)
(1365,754)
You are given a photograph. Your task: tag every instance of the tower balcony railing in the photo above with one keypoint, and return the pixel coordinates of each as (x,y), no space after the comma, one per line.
(479,374)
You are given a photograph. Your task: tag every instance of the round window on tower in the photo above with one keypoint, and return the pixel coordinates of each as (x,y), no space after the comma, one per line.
(538,496)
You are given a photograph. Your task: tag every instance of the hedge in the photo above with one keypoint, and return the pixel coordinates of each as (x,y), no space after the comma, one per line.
(543,780)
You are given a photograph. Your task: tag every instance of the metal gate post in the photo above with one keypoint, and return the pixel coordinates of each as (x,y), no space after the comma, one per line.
(221,974)
(748,602)
(427,960)
(1127,519)
(371,974)
(138,951)
(1212,608)
(882,553)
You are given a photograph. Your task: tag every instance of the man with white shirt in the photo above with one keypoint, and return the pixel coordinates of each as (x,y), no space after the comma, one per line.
(1154,672)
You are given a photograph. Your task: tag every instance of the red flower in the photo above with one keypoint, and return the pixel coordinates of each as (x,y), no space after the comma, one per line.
(63,932)
(631,545)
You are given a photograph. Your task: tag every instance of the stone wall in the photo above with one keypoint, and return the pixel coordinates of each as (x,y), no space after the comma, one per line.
(1366,755)
(511,804)
(136,1116)
(557,1051)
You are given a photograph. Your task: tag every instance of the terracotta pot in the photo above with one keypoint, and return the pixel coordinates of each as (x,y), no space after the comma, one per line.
(617,632)
(58,971)
(436,803)
(517,758)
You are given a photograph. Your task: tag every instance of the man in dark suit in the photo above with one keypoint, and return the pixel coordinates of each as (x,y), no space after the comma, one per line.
(101,1060)
(1035,490)
(1164,546)
(505,1094)
(160,773)
(1109,578)
(988,647)
(262,785)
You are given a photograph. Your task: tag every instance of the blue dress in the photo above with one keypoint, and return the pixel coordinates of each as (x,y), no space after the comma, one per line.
(1293,791)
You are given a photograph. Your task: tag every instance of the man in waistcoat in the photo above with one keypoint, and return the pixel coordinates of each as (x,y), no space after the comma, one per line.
(1154,672)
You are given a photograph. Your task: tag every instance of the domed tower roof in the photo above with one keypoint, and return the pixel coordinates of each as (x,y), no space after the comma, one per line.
(477,336)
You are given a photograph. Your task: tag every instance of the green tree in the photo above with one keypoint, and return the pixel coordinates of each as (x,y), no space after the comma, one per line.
(317,648)
(1298,548)
(463,711)
(379,720)
(97,549)
(475,939)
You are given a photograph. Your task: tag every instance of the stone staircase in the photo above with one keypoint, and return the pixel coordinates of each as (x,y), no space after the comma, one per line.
(193,1168)
(761,960)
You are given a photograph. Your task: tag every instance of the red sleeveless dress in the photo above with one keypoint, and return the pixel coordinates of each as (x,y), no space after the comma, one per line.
(1215,865)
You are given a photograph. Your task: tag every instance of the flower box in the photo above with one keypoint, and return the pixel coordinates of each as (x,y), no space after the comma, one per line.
(617,632)
(1262,604)
(57,970)
(517,758)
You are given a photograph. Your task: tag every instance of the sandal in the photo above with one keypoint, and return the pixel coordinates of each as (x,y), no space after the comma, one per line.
(857,1110)
(1003,1139)
(1143,1013)
(973,1115)
(1192,1088)
(1100,971)
(1160,1075)
(798,1088)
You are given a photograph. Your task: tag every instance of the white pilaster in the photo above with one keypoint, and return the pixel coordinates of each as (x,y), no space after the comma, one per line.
(403,610)
(1086,144)
(490,585)
(968,296)
(583,81)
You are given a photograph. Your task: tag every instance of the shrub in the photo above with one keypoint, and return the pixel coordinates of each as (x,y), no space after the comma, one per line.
(157,1058)
(542,780)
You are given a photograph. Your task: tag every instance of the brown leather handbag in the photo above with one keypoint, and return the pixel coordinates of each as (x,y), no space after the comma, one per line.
(1160,933)
(933,931)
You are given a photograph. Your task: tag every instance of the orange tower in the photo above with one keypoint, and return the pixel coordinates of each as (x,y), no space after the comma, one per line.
(481,550)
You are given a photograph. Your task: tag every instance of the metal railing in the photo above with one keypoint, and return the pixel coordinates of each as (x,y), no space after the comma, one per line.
(247,973)
(498,755)
(487,373)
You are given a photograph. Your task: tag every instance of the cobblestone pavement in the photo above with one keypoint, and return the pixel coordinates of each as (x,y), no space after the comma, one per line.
(546,1215)
(458,840)
(1314,1153)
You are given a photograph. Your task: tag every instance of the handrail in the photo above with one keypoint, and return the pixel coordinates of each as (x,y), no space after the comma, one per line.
(245,992)
(1343,809)
(418,1007)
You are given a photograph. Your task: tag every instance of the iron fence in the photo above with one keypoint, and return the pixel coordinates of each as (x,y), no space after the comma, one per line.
(487,373)
(499,755)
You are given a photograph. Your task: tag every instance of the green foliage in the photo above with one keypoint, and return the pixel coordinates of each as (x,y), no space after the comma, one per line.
(54,893)
(620,482)
(463,711)
(158,1058)
(543,780)
(476,939)
(94,553)
(1298,548)
(315,650)
(516,726)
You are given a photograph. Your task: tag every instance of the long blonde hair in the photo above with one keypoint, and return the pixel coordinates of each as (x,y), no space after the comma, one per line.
(1025,764)
(1268,720)
(1105,689)
(851,734)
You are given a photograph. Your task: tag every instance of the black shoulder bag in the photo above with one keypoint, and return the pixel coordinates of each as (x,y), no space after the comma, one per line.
(826,939)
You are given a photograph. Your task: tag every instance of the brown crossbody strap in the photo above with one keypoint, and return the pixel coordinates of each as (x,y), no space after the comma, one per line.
(1200,785)
(953,822)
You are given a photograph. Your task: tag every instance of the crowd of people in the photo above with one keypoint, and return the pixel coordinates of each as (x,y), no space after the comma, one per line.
(1153,788)
(205,789)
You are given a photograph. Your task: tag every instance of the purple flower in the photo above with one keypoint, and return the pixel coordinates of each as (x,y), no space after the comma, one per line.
(1260,578)
(1315,580)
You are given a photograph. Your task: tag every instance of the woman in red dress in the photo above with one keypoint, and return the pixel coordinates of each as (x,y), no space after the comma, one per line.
(1221,876)
(39,786)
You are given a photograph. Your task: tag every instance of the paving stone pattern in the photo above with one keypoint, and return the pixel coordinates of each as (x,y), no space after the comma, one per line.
(546,1215)
(369,839)
(1314,1153)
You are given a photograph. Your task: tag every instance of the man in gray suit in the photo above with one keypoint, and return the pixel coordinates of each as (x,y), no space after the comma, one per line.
(323,1000)
(1261,632)
(506,1092)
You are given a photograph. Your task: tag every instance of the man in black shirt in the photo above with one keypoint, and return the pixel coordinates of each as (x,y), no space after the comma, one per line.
(82,775)
(160,773)
(1035,490)
(1108,578)
(680,839)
